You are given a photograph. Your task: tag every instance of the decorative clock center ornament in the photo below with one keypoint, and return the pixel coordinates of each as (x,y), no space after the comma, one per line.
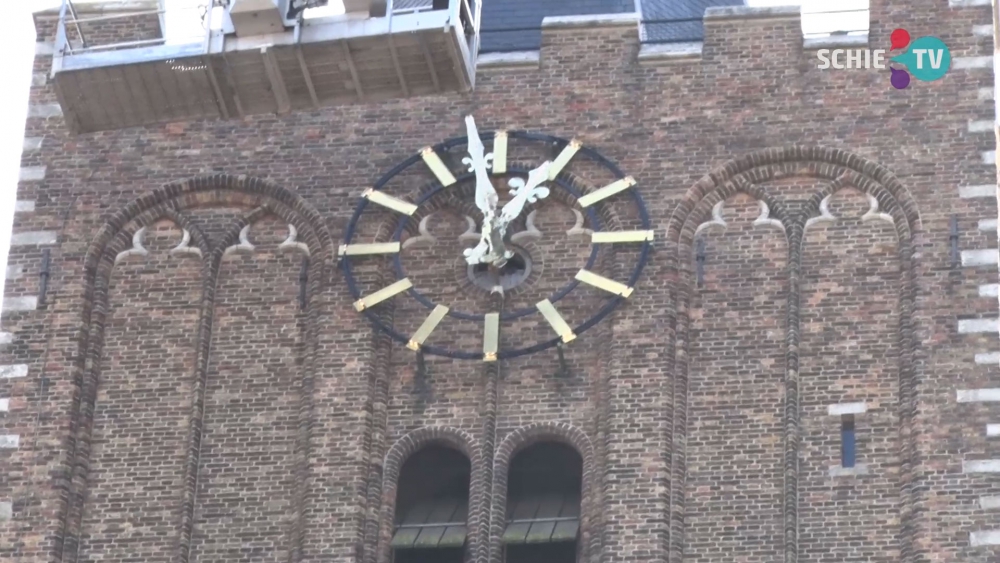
(492,247)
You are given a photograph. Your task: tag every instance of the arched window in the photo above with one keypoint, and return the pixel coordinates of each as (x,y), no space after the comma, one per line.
(543,505)
(432,504)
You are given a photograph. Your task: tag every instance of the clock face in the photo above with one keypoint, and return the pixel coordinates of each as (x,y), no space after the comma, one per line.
(481,264)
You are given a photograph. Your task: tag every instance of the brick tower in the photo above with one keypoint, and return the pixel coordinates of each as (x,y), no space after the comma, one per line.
(197,366)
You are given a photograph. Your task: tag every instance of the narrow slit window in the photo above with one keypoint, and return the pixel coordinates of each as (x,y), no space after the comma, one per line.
(847,441)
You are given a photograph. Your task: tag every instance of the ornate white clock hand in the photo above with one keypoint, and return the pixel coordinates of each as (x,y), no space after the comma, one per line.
(478,162)
(523,193)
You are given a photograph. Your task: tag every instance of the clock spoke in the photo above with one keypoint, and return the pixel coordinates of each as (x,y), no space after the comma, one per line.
(500,153)
(604,237)
(373,248)
(548,310)
(606,192)
(491,336)
(437,166)
(383,294)
(563,159)
(393,203)
(601,282)
(428,326)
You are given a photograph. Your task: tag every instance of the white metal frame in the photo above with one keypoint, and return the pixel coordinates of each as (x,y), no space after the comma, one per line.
(309,31)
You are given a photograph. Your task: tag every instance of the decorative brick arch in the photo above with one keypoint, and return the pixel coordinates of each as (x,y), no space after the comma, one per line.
(744,174)
(169,202)
(397,455)
(590,501)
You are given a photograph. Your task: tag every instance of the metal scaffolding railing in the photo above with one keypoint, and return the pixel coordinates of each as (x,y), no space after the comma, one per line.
(78,35)
(195,23)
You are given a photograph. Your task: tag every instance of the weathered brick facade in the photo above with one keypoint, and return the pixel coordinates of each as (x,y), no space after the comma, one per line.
(171,400)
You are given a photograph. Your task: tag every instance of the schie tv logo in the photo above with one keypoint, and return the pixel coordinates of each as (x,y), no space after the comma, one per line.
(926,58)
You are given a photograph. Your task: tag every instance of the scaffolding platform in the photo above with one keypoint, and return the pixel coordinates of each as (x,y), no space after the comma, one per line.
(320,62)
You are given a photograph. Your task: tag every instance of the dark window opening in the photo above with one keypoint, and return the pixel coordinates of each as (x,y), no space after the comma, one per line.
(543,505)
(432,503)
(847,441)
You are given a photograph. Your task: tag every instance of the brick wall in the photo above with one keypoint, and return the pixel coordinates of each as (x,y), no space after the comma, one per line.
(250,429)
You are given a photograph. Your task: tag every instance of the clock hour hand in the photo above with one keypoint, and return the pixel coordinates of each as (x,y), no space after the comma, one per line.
(525,192)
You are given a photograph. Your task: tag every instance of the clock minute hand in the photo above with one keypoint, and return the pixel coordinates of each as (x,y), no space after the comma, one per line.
(479,162)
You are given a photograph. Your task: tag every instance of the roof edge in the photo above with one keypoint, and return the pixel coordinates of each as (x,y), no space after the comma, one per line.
(723,13)
(593,20)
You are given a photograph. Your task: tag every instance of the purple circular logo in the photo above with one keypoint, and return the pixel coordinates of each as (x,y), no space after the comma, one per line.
(900,79)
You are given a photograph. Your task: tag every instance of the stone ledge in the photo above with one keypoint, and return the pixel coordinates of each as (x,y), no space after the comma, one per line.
(846,408)
(595,20)
(13,371)
(31,238)
(31,173)
(31,143)
(670,52)
(6,338)
(981,466)
(969,3)
(724,13)
(24,206)
(835,41)
(45,110)
(982,30)
(991,537)
(981,126)
(978,326)
(986,190)
(859,469)
(987,257)
(514,59)
(978,395)
(989,503)
(14,271)
(987,358)
(992,430)
(4,405)
(965,63)
(13,304)
(9,441)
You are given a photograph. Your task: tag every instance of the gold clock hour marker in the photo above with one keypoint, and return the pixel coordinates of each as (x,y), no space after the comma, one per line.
(500,153)
(396,204)
(491,337)
(548,310)
(563,159)
(602,237)
(428,326)
(601,282)
(437,167)
(373,248)
(383,294)
(606,192)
